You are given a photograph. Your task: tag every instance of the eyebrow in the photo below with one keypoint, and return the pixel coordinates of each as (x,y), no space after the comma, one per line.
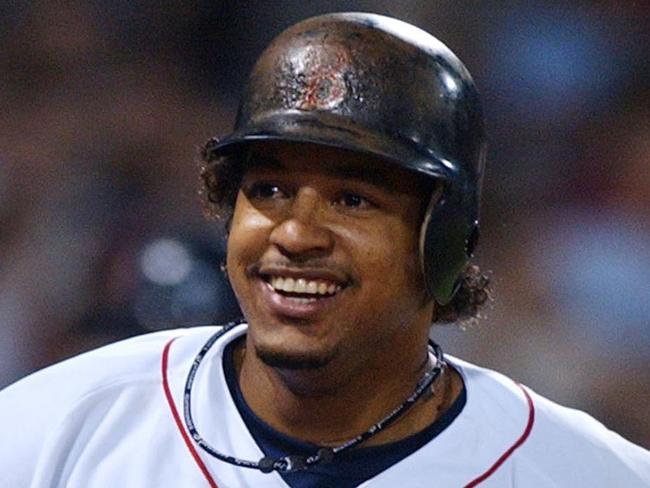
(376,176)
(359,172)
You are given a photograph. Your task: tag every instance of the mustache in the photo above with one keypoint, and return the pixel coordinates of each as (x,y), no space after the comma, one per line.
(308,264)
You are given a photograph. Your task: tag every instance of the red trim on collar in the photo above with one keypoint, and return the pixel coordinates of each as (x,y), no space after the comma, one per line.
(177,418)
(517,444)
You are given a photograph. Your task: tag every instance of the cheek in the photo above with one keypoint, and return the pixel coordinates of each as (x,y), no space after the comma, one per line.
(247,240)
(391,288)
(387,256)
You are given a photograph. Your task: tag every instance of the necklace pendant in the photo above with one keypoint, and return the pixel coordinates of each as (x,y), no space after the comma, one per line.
(292,463)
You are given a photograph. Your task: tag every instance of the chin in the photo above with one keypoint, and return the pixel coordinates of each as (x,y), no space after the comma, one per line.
(292,344)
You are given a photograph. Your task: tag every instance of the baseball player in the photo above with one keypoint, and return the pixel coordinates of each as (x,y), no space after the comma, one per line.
(350,186)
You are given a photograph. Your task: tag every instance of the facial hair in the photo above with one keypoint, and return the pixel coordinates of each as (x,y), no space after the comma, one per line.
(292,361)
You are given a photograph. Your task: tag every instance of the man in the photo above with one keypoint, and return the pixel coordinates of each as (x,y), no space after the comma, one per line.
(350,190)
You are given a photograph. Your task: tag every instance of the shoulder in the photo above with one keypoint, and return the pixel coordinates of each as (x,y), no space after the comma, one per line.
(79,394)
(559,445)
(130,360)
(575,441)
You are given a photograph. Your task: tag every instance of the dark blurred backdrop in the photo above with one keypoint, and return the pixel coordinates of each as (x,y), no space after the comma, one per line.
(104,106)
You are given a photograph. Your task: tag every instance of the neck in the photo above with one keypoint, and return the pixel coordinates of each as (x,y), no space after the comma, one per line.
(332,404)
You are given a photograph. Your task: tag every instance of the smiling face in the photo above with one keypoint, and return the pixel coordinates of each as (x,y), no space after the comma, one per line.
(323,256)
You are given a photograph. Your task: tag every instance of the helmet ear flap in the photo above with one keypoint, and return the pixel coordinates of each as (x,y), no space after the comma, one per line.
(447,241)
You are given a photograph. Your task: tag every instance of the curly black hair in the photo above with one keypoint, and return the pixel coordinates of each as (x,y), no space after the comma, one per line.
(221,175)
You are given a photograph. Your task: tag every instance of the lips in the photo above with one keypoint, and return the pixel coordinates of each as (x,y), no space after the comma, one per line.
(300,294)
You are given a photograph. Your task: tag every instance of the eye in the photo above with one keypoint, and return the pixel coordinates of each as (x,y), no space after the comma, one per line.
(264,191)
(354,201)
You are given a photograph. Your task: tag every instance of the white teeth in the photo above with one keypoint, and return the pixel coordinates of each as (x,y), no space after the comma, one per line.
(288,284)
(312,287)
(301,285)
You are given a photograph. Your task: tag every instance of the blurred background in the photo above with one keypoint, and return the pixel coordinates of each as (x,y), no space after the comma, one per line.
(104,106)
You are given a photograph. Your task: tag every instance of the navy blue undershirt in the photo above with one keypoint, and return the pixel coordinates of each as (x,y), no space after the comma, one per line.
(348,469)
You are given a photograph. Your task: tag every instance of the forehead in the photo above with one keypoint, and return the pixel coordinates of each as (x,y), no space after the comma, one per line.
(300,157)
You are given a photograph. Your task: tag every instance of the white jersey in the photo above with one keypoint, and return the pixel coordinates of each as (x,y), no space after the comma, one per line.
(113,418)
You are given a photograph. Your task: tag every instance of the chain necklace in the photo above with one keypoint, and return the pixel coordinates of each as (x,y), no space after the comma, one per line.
(322,455)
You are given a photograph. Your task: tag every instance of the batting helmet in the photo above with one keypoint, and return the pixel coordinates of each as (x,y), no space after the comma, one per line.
(380,86)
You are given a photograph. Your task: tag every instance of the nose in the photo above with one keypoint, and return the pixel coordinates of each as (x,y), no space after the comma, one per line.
(302,231)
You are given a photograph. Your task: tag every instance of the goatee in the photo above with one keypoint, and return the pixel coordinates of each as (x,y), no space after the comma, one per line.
(292,361)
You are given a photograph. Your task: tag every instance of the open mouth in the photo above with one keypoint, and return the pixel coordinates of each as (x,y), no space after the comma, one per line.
(303,290)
